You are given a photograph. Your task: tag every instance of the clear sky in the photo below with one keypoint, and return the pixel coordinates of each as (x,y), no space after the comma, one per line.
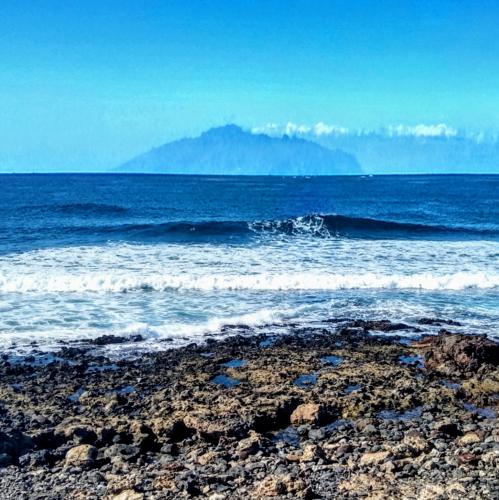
(88,84)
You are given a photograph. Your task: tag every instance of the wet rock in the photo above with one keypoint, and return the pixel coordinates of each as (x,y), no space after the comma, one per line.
(82,456)
(448,353)
(438,322)
(382,325)
(115,339)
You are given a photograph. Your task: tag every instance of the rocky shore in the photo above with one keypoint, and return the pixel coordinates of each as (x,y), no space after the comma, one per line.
(334,411)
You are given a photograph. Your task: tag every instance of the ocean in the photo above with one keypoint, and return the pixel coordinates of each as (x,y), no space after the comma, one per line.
(175,258)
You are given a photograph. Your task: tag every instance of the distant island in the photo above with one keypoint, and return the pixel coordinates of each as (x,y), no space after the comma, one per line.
(230,150)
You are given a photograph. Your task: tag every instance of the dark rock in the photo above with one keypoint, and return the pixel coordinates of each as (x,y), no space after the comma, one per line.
(126,452)
(5,459)
(15,444)
(115,339)
(48,439)
(36,459)
(448,353)
(438,322)
(382,325)
(449,428)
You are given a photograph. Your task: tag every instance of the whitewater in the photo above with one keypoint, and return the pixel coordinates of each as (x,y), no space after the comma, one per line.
(175,270)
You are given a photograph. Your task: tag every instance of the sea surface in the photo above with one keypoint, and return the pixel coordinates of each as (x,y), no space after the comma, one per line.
(174,258)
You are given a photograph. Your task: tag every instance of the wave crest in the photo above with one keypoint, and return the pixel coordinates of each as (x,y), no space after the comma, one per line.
(323,226)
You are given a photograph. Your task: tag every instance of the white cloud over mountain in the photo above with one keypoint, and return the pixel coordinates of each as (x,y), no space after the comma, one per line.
(324,129)
(290,128)
(422,130)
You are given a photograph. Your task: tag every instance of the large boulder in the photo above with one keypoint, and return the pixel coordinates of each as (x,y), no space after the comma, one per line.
(82,456)
(310,413)
(448,353)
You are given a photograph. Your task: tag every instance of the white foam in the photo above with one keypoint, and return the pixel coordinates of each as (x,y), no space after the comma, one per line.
(116,283)
(180,292)
(176,333)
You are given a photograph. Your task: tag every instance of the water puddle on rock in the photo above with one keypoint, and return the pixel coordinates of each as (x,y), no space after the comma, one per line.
(75,397)
(484,412)
(268,342)
(405,341)
(289,435)
(451,385)
(225,380)
(235,363)
(128,389)
(341,424)
(332,360)
(412,414)
(306,381)
(352,388)
(38,359)
(415,360)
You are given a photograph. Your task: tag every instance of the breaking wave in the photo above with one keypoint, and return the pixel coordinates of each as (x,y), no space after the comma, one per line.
(265,282)
(324,226)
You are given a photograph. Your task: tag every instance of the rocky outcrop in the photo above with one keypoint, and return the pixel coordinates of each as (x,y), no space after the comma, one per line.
(448,353)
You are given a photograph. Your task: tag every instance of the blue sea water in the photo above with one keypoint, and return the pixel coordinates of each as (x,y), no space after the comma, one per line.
(174,258)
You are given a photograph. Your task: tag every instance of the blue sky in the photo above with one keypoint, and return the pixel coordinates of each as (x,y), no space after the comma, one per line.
(86,85)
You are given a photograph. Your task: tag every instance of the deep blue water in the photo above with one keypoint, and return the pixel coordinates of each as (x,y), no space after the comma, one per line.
(194,252)
(48,210)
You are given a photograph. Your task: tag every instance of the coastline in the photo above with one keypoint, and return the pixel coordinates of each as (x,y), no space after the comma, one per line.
(333,411)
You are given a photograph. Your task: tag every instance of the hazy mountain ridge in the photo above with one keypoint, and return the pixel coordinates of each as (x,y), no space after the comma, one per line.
(231,150)
(380,153)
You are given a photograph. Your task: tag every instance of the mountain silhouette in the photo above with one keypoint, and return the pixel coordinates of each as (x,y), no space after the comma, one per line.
(231,150)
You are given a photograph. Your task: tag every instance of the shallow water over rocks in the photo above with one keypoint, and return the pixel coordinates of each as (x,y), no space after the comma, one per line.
(306,381)
(411,414)
(225,381)
(235,363)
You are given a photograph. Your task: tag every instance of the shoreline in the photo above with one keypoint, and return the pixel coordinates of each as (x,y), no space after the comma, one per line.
(320,412)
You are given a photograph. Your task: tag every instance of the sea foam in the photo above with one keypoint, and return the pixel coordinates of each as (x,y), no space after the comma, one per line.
(119,282)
